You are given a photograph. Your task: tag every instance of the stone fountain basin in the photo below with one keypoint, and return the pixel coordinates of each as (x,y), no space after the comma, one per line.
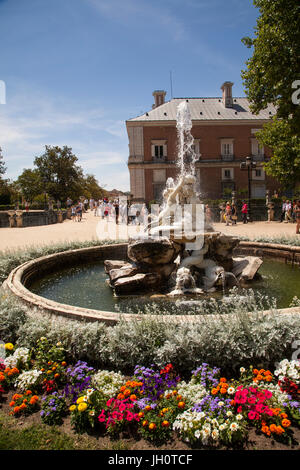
(19,280)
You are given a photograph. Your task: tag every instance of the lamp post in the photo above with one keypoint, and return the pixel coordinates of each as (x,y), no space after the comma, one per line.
(248,166)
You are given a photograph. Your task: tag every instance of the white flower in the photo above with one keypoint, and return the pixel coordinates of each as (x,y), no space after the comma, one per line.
(27,379)
(19,357)
(239,417)
(242,370)
(229,413)
(197,434)
(234,427)
(231,390)
(222,427)
(221,403)
(215,434)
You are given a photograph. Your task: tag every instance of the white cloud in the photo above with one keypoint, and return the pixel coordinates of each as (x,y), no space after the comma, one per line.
(30,121)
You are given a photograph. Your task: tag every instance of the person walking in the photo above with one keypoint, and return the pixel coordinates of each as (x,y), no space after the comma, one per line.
(245,213)
(117,210)
(283,208)
(233,214)
(288,212)
(228,213)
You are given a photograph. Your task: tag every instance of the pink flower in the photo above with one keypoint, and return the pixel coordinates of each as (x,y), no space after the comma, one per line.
(251,400)
(109,402)
(102,417)
(252,415)
(129,416)
(240,409)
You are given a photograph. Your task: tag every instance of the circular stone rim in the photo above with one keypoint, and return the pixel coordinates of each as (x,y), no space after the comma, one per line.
(15,284)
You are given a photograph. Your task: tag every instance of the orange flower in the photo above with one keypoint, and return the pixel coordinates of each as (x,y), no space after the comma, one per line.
(28,392)
(145,423)
(255,371)
(223,390)
(223,380)
(181,405)
(152,426)
(214,391)
(259,377)
(273,427)
(279,430)
(121,396)
(16,396)
(56,376)
(16,409)
(283,415)
(141,414)
(12,403)
(123,388)
(285,423)
(165,424)
(133,397)
(174,392)
(23,406)
(147,408)
(268,378)
(63,363)
(127,392)
(266,430)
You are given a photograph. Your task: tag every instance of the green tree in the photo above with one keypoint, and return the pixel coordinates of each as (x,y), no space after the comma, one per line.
(30,184)
(2,165)
(60,174)
(271,76)
(91,187)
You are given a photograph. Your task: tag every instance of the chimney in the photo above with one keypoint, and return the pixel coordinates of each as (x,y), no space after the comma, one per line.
(159,98)
(227,94)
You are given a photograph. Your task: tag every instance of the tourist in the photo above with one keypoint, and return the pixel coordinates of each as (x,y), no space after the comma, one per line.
(228,213)
(69,203)
(283,208)
(298,217)
(117,210)
(79,209)
(245,213)
(208,214)
(233,214)
(73,213)
(86,204)
(288,212)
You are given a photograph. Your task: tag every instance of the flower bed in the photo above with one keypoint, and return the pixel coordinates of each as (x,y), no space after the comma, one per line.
(154,403)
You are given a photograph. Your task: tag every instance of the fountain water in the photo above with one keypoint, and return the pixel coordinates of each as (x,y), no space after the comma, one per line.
(179,250)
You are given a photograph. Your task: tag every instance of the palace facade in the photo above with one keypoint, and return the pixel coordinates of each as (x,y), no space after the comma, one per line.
(224,135)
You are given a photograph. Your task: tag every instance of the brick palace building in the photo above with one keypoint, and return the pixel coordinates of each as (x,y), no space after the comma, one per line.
(224,135)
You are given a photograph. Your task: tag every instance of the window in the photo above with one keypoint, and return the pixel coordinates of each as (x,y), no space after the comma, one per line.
(257,151)
(258,174)
(159,150)
(227,174)
(227,149)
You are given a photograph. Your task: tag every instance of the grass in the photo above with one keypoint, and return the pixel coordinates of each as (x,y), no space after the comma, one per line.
(42,437)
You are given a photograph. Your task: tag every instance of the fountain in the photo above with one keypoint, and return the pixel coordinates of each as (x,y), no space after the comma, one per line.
(179,253)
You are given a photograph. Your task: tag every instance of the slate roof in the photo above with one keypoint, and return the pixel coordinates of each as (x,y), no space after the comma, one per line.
(206,109)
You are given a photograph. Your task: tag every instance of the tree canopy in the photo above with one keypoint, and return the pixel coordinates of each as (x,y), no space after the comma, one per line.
(272,76)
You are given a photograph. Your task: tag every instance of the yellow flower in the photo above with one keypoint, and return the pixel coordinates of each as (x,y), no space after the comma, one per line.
(72,407)
(82,406)
(80,400)
(9,346)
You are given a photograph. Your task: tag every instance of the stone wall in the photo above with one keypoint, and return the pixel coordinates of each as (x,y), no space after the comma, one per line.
(32,218)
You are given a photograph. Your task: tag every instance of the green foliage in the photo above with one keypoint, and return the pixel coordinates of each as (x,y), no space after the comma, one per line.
(54,408)
(59,172)
(285,144)
(269,78)
(274,65)
(30,184)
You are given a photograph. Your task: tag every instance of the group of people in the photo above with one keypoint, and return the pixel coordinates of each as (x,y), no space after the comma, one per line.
(229,214)
(118,211)
(289,211)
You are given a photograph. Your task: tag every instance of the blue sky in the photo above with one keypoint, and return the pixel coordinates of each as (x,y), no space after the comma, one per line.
(75,70)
